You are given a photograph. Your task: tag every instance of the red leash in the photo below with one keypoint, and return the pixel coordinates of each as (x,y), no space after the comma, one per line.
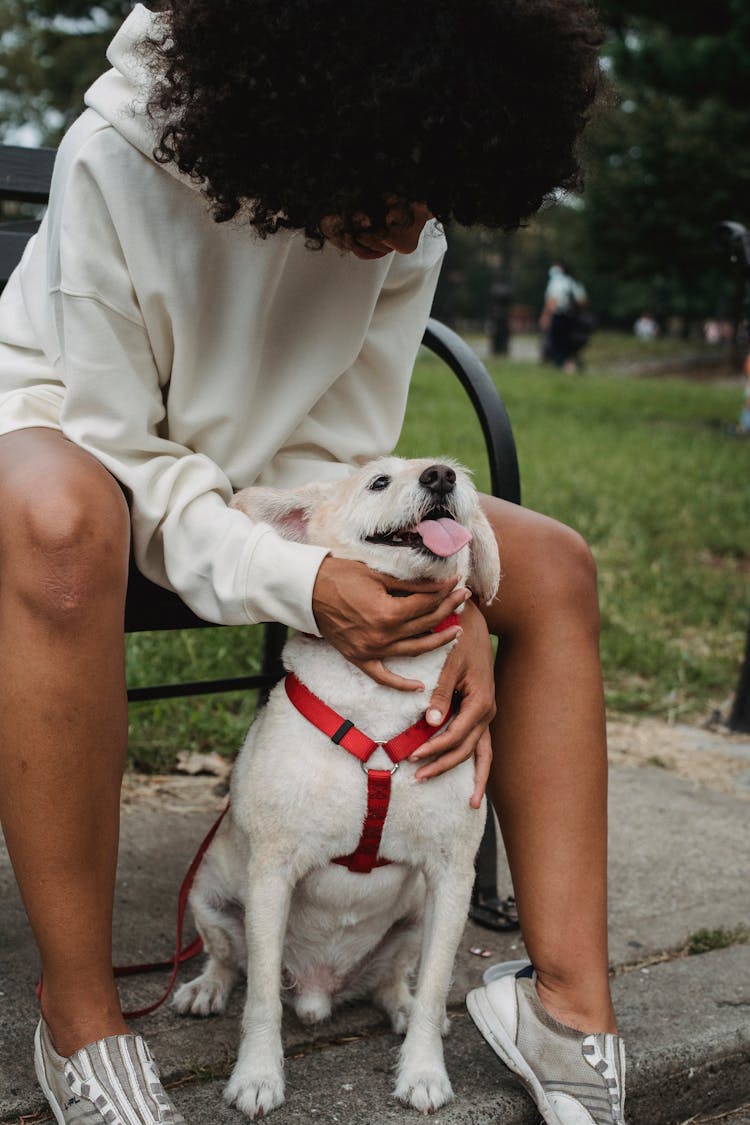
(180,955)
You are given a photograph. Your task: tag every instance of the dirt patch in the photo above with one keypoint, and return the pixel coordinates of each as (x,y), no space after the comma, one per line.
(713,758)
(176,792)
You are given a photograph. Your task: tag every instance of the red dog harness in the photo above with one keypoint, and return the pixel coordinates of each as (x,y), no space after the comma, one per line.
(344,733)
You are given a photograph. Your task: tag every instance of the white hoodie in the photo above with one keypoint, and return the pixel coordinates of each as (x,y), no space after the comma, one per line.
(193,358)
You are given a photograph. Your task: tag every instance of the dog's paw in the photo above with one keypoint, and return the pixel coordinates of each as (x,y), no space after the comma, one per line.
(205,996)
(426,1089)
(255,1093)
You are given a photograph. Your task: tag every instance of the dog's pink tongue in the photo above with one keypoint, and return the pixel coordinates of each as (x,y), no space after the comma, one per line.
(443,537)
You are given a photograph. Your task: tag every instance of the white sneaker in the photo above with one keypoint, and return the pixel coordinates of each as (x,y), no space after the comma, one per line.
(504,969)
(575,1079)
(111,1082)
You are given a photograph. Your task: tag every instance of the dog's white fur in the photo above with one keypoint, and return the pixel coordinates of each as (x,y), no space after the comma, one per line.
(298,801)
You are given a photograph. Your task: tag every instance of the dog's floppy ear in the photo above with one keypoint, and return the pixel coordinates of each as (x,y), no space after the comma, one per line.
(286,509)
(484,576)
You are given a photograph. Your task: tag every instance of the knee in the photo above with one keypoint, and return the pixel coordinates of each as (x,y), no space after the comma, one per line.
(549,579)
(565,577)
(64,543)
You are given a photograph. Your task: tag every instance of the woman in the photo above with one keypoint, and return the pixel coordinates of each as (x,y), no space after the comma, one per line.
(230,287)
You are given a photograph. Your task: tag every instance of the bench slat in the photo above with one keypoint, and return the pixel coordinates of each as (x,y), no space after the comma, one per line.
(25,173)
(12,243)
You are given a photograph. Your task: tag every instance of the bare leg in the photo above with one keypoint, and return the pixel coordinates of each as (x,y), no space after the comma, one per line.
(64,534)
(549,771)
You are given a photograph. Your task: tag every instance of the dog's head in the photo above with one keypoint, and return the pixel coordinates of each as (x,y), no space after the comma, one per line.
(407,518)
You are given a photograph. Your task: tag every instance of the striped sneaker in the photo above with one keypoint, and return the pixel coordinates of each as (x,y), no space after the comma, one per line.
(111,1082)
(575,1079)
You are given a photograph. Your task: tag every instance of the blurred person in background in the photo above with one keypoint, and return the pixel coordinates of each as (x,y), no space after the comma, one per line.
(565,320)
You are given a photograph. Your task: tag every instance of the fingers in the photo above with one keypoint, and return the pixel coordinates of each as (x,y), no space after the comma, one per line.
(356,613)
(419,613)
(479,744)
(460,737)
(367,648)
(441,700)
(426,642)
(393,632)
(468,669)
(379,672)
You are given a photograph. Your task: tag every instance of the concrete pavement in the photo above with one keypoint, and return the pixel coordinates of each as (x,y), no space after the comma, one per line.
(680,864)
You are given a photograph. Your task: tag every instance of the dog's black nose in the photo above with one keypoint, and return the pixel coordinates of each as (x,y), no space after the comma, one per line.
(440,479)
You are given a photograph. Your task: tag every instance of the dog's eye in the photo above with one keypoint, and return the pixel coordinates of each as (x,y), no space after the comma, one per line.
(379,484)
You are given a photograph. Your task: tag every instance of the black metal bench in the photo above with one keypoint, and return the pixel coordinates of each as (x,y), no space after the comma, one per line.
(25,176)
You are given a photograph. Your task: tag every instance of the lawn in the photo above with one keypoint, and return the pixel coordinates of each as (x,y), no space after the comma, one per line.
(640,466)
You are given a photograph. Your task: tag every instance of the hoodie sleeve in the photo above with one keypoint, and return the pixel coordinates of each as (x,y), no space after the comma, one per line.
(226,568)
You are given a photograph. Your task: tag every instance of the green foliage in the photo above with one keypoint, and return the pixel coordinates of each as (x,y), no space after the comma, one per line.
(50,52)
(693,50)
(662,182)
(670,158)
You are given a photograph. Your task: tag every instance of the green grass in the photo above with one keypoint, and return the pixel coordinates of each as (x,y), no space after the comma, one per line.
(704,941)
(158,731)
(618,349)
(639,466)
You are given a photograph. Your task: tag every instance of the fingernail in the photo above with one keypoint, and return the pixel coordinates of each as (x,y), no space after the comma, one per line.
(434,717)
(467,595)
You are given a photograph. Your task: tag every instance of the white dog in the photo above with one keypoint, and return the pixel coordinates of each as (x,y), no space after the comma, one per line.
(280,889)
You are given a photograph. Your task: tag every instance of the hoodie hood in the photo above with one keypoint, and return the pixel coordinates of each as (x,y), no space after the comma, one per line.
(120,94)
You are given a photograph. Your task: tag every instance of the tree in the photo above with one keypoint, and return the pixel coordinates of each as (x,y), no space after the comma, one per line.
(694,50)
(670,158)
(50,52)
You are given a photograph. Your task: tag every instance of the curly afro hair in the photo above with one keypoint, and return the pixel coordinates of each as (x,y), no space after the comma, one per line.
(289,112)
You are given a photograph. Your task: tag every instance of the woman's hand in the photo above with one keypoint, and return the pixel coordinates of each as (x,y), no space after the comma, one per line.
(468,670)
(368,616)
